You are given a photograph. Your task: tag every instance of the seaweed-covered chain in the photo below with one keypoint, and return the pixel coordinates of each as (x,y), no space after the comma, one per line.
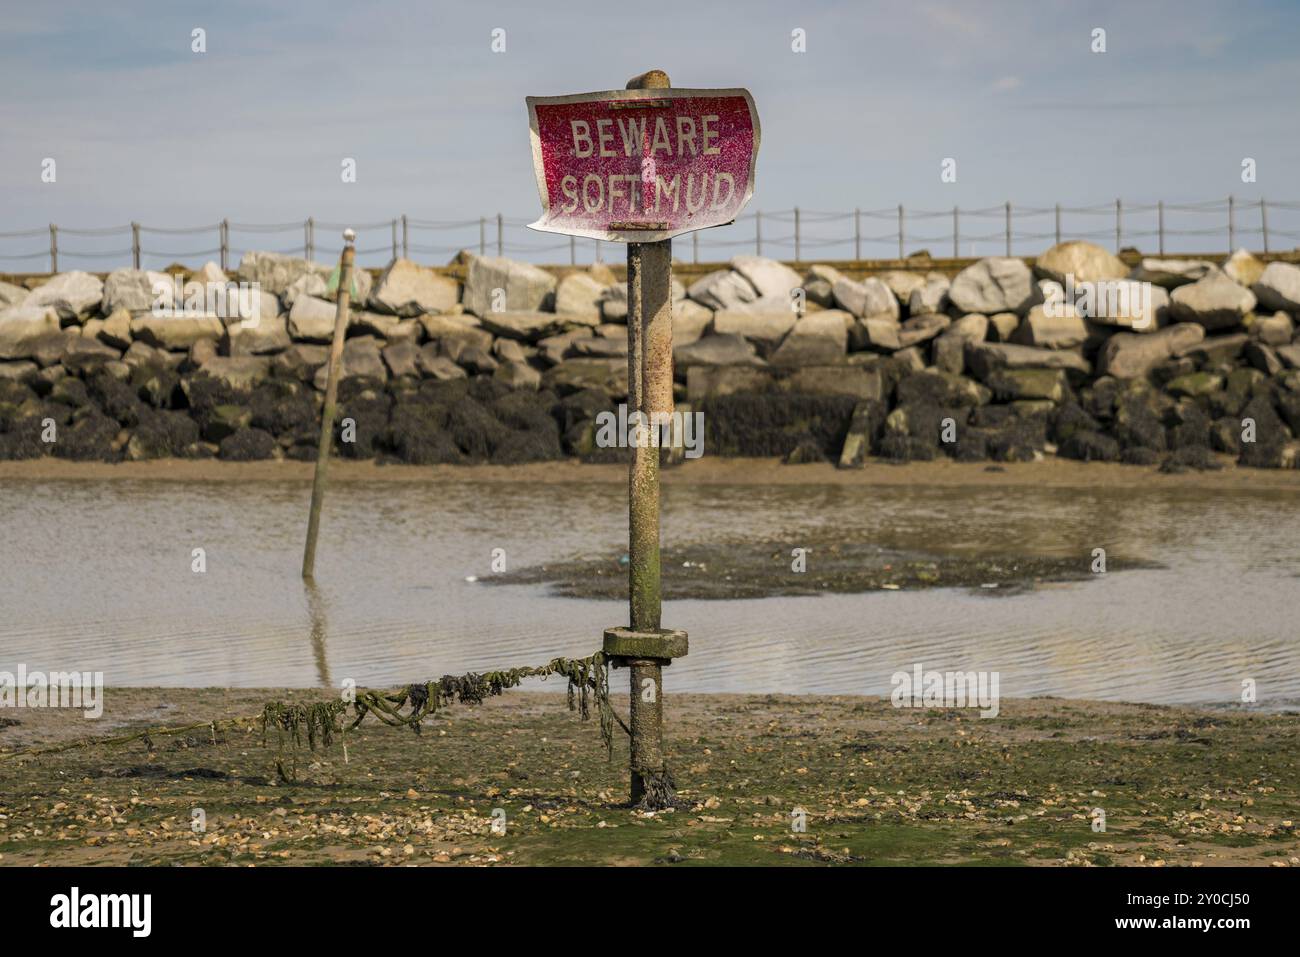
(318,722)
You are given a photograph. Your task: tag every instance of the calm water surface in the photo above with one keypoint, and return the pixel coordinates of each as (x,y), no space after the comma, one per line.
(97,576)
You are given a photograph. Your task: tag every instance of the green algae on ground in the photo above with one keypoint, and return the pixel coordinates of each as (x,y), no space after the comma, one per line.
(517,781)
(768,569)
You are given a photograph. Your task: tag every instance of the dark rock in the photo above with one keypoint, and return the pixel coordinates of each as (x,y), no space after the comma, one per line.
(90,437)
(248,445)
(1089,447)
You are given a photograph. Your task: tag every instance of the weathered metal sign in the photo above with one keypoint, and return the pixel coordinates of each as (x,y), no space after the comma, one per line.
(639,166)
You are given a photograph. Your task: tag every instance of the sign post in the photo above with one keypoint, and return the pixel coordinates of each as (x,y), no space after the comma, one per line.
(640,166)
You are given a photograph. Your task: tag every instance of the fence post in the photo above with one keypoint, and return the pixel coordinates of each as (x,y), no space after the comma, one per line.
(501,238)
(758,233)
(1118,228)
(695,247)
(573,251)
(1058,224)
(798,257)
(1232,225)
(54,248)
(306,238)
(900,232)
(1160,224)
(406,238)
(1008,227)
(1263,221)
(225,244)
(857,234)
(954,232)
(394,225)
(135,245)
(482,236)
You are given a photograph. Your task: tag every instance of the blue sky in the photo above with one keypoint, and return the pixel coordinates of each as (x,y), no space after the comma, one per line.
(255,129)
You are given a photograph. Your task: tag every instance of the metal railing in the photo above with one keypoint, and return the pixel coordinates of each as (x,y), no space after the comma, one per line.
(797,234)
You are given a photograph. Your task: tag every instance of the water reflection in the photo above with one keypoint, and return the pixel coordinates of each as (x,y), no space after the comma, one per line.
(96,576)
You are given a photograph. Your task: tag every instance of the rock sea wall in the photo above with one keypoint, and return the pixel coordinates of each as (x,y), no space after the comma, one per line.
(513,364)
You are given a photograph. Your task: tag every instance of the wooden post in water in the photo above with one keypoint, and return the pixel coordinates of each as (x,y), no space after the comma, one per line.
(644,647)
(331,399)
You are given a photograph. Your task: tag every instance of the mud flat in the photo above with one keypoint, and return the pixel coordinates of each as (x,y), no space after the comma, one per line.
(879,785)
(1049,473)
(761,570)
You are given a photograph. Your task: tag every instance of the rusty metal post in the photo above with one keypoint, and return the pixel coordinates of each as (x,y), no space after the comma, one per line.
(645,647)
(331,398)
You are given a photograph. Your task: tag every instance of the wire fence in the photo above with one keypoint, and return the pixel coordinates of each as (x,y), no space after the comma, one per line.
(802,235)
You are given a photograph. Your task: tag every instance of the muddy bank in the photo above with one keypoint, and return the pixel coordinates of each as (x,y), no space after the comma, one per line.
(774,568)
(1049,473)
(878,785)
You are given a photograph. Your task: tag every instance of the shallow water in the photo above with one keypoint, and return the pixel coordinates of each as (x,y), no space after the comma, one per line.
(96,576)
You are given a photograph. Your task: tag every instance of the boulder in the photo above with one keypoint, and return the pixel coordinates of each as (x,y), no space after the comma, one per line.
(300,361)
(573,375)
(1127,355)
(599,346)
(115,330)
(764,329)
(531,326)
(1214,303)
(11,295)
(993,285)
(1290,355)
(580,294)
(1262,357)
(880,333)
(930,296)
(870,298)
(133,291)
(73,295)
(923,328)
(1013,384)
(1278,287)
(1002,326)
(770,278)
(1063,330)
(716,350)
(408,289)
(496,284)
(19,370)
(1243,268)
(820,338)
(1123,303)
(983,358)
(86,353)
(1275,330)
(361,359)
(263,337)
(308,284)
(176,333)
(312,319)
(402,359)
(948,352)
(1085,261)
(690,321)
(21,325)
(1171,273)
(722,289)
(903,284)
(275,272)
(434,366)
(241,373)
(518,375)
(457,331)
